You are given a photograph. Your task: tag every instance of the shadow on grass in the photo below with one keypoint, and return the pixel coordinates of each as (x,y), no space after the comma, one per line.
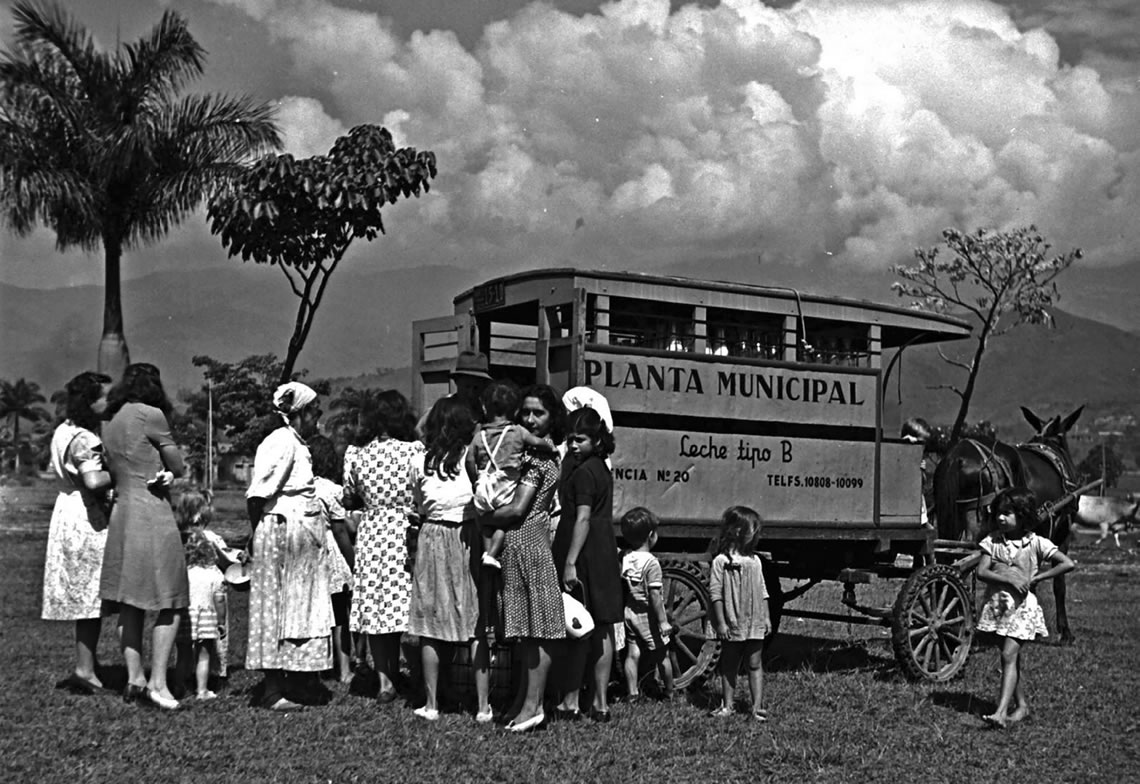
(795,652)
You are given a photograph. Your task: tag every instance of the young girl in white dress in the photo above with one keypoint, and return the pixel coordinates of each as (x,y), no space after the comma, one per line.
(208,608)
(740,607)
(1011,565)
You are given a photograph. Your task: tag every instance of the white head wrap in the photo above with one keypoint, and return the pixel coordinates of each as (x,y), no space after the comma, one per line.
(584,397)
(292,397)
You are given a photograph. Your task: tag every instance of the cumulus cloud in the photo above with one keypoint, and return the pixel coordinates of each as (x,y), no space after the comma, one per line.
(639,135)
(306,129)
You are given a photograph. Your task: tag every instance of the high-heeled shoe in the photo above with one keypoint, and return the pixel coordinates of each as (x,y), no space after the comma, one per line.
(133,694)
(158,701)
(533,723)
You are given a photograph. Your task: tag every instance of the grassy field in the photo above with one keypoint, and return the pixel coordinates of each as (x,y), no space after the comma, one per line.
(840,710)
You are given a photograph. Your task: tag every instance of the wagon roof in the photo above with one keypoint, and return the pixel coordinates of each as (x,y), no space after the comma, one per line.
(900,324)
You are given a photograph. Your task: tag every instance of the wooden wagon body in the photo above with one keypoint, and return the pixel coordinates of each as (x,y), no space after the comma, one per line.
(722,394)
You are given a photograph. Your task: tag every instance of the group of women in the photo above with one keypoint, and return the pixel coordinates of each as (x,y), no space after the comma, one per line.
(128,561)
(417,565)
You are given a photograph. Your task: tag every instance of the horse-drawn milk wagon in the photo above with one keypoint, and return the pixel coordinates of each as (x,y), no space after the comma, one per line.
(723,394)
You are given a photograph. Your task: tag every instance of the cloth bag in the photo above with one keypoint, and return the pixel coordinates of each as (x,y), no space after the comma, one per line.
(579,622)
(493,488)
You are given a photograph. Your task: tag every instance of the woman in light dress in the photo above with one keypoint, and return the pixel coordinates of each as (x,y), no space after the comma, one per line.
(376,480)
(290,612)
(78,531)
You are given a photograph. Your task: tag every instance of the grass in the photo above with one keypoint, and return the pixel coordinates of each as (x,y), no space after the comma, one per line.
(840,710)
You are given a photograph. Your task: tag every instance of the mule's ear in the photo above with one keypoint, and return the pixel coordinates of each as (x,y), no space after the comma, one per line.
(1033,420)
(1071,419)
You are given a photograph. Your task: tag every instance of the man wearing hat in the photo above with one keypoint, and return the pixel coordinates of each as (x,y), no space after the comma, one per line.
(470,378)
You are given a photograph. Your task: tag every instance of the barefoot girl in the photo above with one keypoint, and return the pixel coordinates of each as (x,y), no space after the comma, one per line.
(1011,563)
(740,607)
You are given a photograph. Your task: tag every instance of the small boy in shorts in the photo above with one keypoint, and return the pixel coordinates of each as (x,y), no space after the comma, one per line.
(647,629)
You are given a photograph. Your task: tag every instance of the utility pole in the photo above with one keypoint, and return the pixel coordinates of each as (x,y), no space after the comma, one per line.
(209,435)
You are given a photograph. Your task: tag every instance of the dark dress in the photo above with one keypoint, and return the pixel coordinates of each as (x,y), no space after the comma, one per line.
(143,565)
(589,484)
(531,598)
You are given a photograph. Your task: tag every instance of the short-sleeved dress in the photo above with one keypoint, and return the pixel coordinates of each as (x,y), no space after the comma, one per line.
(143,565)
(588,483)
(1002,611)
(290,612)
(531,597)
(738,581)
(378,473)
(329,494)
(77,535)
(445,599)
(206,582)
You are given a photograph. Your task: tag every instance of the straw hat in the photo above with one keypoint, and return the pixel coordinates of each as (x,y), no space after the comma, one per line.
(471,363)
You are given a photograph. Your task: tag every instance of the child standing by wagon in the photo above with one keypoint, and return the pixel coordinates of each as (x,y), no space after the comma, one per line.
(1012,559)
(207,610)
(646,626)
(494,459)
(740,607)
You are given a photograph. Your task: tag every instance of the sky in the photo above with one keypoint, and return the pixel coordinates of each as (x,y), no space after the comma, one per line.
(826,136)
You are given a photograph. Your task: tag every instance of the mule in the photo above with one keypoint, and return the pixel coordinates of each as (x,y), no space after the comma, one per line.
(973,470)
(1106,515)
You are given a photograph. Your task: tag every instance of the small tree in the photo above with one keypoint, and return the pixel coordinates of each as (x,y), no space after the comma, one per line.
(302,215)
(242,399)
(1002,278)
(21,399)
(1101,461)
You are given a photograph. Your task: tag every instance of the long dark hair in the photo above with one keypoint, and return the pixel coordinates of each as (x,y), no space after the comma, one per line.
(739,531)
(391,415)
(140,384)
(326,462)
(588,422)
(552,402)
(448,430)
(83,391)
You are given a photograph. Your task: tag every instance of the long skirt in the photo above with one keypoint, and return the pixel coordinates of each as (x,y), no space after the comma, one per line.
(74,560)
(445,602)
(290,613)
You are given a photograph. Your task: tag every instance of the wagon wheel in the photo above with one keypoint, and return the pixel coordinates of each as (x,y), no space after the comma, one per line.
(694,648)
(933,624)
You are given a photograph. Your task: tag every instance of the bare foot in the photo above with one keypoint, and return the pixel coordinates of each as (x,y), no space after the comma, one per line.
(996,720)
(1019,713)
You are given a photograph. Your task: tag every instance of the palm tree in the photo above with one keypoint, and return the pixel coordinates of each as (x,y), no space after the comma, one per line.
(21,400)
(100,147)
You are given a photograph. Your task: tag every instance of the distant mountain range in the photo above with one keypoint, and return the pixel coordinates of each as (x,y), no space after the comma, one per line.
(362,336)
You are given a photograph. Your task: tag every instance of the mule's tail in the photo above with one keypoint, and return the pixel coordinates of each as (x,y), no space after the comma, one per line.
(946,492)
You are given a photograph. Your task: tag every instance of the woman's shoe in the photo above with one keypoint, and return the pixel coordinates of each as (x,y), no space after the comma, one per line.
(485,717)
(429,714)
(133,694)
(156,699)
(77,685)
(722,712)
(599,716)
(283,705)
(533,723)
(386,696)
(562,714)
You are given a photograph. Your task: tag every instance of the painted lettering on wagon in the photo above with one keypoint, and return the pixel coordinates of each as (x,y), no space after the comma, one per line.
(737,383)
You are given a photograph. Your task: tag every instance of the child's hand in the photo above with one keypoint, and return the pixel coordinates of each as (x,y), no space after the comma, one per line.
(721,630)
(767,626)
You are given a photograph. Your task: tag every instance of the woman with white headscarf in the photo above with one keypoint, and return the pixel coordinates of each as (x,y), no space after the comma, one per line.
(290,613)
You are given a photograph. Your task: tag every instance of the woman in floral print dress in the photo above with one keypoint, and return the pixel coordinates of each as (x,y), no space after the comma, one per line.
(376,480)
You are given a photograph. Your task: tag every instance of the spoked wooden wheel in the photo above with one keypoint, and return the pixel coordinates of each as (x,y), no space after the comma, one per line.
(694,648)
(933,624)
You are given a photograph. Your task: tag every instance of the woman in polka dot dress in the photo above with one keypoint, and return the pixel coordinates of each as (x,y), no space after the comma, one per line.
(376,480)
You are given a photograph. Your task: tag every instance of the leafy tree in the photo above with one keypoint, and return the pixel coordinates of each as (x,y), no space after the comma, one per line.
(302,215)
(1101,460)
(243,399)
(99,147)
(20,400)
(1002,278)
